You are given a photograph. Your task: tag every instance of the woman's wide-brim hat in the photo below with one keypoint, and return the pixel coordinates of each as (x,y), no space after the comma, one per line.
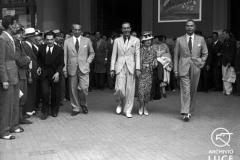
(30,32)
(146,36)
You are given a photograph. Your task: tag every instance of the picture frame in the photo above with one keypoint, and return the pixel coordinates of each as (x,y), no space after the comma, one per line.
(179,10)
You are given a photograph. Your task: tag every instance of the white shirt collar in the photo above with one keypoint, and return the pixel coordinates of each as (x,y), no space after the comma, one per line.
(51,49)
(9,35)
(75,39)
(193,35)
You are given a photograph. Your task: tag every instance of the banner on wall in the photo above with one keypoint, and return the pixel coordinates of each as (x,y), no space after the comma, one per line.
(179,10)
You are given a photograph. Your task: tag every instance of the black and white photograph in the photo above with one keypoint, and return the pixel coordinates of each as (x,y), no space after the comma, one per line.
(119,80)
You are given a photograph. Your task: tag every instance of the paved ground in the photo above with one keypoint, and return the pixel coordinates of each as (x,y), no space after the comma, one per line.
(103,135)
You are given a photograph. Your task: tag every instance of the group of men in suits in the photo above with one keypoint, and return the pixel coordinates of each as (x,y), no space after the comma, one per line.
(25,64)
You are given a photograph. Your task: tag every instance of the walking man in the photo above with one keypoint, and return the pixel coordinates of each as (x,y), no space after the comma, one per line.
(51,63)
(125,62)
(78,54)
(190,55)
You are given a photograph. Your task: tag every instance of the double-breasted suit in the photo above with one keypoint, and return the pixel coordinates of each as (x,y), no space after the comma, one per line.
(77,68)
(125,60)
(9,98)
(187,64)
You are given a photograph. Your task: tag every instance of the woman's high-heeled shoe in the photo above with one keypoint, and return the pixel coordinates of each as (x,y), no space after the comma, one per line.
(145,111)
(140,111)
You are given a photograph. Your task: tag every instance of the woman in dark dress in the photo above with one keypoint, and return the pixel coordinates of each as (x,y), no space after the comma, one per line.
(148,62)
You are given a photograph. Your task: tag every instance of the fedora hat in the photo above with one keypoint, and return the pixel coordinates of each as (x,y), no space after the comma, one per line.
(146,36)
(30,32)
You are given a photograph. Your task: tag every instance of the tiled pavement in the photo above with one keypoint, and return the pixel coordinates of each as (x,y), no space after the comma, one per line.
(103,135)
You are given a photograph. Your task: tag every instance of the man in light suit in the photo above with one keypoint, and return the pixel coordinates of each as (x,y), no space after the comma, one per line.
(190,55)
(9,88)
(78,54)
(125,62)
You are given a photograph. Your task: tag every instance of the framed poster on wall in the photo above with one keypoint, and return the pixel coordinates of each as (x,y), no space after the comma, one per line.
(179,10)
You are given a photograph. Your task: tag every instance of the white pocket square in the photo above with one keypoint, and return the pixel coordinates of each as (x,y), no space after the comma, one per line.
(84,46)
(199,45)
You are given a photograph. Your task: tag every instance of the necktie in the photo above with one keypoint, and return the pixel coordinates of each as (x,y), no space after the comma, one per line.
(125,39)
(49,51)
(190,44)
(77,45)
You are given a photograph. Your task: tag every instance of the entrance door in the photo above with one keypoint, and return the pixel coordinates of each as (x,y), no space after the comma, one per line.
(110,14)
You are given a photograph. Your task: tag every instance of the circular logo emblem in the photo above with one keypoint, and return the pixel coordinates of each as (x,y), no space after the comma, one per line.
(221,137)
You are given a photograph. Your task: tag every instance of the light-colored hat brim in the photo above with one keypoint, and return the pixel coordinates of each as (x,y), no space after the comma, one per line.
(148,38)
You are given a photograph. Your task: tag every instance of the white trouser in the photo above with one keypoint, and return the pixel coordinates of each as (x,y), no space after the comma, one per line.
(125,89)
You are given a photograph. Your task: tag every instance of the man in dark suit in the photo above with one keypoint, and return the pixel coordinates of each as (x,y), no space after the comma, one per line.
(22,61)
(101,49)
(9,89)
(216,63)
(51,63)
(228,52)
(31,50)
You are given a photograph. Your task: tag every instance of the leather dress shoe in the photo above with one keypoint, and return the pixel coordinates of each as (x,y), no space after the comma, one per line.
(8,137)
(54,114)
(186,117)
(84,109)
(74,113)
(44,116)
(18,130)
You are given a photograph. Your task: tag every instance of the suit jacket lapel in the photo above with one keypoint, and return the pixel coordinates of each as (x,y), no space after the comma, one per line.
(81,44)
(129,43)
(195,43)
(122,44)
(9,41)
